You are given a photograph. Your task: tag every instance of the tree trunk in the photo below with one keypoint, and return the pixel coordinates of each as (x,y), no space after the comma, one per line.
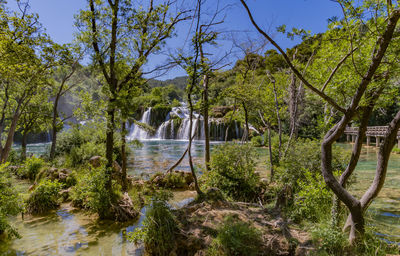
(54,128)
(123,153)
(270,153)
(246,119)
(196,183)
(110,142)
(10,137)
(205,116)
(278,117)
(230,122)
(23,145)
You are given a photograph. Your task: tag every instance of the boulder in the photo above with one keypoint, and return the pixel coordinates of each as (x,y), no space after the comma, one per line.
(95,161)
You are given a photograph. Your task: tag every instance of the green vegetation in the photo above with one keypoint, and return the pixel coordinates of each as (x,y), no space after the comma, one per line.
(32,167)
(91,193)
(44,197)
(159,228)
(297,103)
(233,172)
(10,203)
(237,238)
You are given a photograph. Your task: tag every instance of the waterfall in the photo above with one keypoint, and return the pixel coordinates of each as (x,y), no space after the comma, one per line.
(137,132)
(167,130)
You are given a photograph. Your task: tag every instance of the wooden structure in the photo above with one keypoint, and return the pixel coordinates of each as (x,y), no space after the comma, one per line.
(376,132)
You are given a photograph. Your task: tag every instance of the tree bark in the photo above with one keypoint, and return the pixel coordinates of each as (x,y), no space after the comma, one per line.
(230,121)
(123,153)
(110,142)
(205,117)
(196,183)
(23,146)
(10,137)
(54,128)
(246,120)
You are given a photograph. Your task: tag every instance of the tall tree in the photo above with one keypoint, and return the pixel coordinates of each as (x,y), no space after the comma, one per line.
(359,32)
(122,38)
(27,58)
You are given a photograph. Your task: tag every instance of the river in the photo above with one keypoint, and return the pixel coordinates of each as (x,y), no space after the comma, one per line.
(69,232)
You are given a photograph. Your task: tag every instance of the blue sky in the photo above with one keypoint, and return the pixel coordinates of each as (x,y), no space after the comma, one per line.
(57,16)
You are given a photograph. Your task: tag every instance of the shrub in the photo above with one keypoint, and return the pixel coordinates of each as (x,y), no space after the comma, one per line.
(313,200)
(91,192)
(10,202)
(396,150)
(236,237)
(81,142)
(331,240)
(31,167)
(14,157)
(44,198)
(159,228)
(233,171)
(257,141)
(305,155)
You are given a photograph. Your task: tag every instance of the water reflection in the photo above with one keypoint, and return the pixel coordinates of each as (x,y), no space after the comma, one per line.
(70,232)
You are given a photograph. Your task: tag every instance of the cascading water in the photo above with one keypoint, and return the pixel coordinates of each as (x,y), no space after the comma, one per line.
(136,132)
(176,126)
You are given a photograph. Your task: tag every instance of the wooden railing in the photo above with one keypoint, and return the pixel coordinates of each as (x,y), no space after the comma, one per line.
(372,131)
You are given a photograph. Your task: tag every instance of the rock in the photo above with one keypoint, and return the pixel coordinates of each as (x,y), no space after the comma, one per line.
(264,181)
(214,194)
(116,167)
(95,161)
(124,211)
(64,194)
(192,186)
(220,111)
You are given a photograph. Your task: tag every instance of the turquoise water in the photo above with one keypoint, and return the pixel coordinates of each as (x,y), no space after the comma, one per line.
(70,232)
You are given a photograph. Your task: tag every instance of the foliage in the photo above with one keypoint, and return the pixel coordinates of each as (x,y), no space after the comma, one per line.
(44,198)
(236,237)
(313,200)
(31,167)
(257,141)
(305,155)
(332,241)
(159,228)
(78,144)
(10,202)
(233,171)
(91,192)
(396,150)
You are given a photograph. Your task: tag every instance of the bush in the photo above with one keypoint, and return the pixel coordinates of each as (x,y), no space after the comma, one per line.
(91,192)
(78,144)
(305,155)
(313,200)
(31,168)
(159,228)
(233,172)
(236,237)
(10,202)
(257,141)
(45,197)
(300,170)
(396,150)
(330,240)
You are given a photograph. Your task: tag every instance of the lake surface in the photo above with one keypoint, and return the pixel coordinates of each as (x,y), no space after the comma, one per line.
(69,232)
